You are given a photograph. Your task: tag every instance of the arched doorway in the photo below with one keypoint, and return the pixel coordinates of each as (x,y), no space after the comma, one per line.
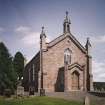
(75,80)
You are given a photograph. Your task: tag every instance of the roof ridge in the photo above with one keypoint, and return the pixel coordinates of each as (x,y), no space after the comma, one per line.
(59,38)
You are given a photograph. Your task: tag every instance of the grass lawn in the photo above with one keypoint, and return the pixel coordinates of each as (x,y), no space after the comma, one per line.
(38,101)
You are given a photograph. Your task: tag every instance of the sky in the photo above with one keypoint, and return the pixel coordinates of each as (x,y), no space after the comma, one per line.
(21,22)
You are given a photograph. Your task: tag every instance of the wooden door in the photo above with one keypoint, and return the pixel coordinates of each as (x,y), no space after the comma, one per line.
(75,80)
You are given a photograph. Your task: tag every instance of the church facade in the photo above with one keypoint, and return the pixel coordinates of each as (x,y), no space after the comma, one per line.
(61,65)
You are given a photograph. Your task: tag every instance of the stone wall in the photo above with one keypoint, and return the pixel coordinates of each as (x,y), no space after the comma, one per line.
(53,61)
(32,82)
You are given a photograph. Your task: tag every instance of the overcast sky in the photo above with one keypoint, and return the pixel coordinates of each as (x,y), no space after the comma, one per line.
(21,22)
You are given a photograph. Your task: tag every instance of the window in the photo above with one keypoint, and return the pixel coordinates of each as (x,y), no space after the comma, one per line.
(67,56)
(29,75)
(33,72)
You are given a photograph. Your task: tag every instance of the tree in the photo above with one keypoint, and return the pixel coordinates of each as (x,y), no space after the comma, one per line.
(7,73)
(18,63)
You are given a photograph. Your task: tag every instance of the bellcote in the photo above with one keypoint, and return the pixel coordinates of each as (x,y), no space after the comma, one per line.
(66,24)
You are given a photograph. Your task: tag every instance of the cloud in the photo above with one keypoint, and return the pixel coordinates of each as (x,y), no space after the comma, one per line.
(33,38)
(98,39)
(22,29)
(98,71)
(29,37)
(94,40)
(28,41)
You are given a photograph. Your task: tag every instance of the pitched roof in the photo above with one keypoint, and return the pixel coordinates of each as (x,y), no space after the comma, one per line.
(57,40)
(61,37)
(36,55)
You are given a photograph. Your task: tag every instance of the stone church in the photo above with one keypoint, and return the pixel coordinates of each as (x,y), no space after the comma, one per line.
(60,65)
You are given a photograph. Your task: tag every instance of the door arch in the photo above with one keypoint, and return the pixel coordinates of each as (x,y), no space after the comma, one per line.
(75,80)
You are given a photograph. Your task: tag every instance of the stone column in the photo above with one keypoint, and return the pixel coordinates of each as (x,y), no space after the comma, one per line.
(39,80)
(42,49)
(89,66)
(66,78)
(85,77)
(90,73)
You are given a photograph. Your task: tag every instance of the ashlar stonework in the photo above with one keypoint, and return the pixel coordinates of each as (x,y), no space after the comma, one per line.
(61,65)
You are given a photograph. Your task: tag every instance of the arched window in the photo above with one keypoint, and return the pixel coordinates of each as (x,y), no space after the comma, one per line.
(67,56)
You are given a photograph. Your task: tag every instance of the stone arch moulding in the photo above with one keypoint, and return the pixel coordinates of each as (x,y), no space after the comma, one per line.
(77,69)
(76,66)
(68,49)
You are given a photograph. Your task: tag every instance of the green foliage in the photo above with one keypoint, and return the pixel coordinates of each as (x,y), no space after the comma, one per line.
(39,101)
(7,73)
(99,86)
(7,93)
(18,63)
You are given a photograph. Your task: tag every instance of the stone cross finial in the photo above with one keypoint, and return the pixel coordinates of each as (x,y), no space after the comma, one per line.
(88,42)
(66,24)
(42,33)
(66,14)
(42,29)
